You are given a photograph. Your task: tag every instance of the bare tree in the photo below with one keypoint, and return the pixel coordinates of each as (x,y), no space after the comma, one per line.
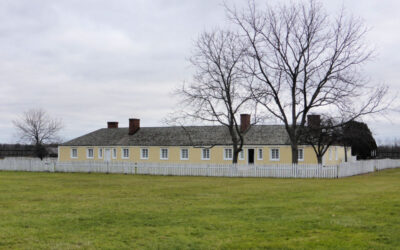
(321,134)
(38,128)
(217,93)
(304,60)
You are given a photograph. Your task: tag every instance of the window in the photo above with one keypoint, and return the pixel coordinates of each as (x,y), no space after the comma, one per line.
(164,154)
(74,153)
(144,154)
(184,154)
(114,154)
(300,154)
(89,153)
(125,153)
(100,153)
(241,155)
(274,154)
(228,154)
(336,153)
(330,154)
(260,154)
(205,154)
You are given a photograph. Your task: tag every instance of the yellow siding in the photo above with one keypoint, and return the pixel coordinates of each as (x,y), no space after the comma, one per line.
(335,155)
(216,155)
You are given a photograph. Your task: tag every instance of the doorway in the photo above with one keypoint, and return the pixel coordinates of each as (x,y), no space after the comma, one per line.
(107,154)
(250,156)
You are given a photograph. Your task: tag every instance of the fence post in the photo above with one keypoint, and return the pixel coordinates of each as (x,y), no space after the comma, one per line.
(337,171)
(135,168)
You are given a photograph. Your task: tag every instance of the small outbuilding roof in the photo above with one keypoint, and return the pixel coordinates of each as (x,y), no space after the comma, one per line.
(181,136)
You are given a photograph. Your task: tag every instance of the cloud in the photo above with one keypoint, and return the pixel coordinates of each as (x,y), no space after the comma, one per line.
(92,61)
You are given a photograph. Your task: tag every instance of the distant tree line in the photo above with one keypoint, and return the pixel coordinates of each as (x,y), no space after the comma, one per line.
(27,150)
(389,149)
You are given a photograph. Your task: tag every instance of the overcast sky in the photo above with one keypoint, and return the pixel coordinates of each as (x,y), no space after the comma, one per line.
(89,62)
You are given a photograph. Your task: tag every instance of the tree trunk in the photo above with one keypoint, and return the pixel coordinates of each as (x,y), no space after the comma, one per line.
(345,153)
(235,157)
(319,158)
(295,157)
(235,152)
(40,151)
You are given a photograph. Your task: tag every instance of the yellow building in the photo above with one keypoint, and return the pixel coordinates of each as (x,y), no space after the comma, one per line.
(263,145)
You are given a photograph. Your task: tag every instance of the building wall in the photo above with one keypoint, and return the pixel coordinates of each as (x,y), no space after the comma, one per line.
(334,155)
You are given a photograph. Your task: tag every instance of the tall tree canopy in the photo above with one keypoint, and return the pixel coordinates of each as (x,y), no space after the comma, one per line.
(302,60)
(358,136)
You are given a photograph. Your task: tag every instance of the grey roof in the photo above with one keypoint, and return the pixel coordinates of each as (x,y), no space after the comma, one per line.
(181,136)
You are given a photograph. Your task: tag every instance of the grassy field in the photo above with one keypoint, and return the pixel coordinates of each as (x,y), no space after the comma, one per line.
(68,211)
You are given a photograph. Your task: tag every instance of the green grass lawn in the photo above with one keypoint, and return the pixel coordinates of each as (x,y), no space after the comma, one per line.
(68,211)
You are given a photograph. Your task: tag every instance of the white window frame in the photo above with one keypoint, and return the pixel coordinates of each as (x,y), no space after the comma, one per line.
(348,153)
(147,153)
(302,154)
(72,153)
(100,153)
(123,153)
(228,156)
(87,153)
(336,153)
(271,155)
(330,153)
(114,153)
(202,154)
(181,152)
(241,154)
(161,154)
(260,157)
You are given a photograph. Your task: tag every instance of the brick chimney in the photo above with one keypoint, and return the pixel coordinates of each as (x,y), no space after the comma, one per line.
(244,122)
(134,125)
(112,124)
(314,121)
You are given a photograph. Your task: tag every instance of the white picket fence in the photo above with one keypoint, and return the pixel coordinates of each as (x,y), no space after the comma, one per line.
(278,171)
(229,170)
(28,164)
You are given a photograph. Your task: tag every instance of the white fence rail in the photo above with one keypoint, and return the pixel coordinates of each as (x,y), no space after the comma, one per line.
(229,170)
(28,164)
(279,171)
